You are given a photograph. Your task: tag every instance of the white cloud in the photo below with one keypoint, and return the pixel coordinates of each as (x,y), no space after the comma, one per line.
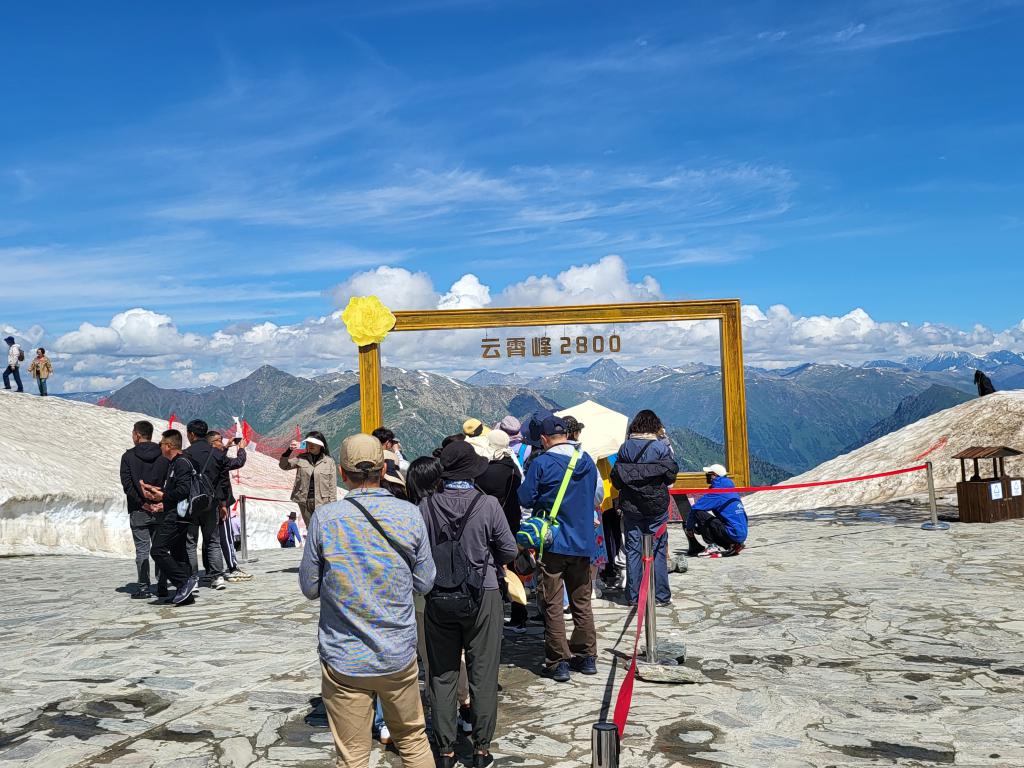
(133,332)
(605,281)
(398,288)
(466,293)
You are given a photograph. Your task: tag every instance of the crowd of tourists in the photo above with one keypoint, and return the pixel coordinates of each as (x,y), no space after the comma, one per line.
(414,566)
(415,563)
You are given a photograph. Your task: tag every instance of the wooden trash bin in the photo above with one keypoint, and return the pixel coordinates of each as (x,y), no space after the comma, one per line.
(992,499)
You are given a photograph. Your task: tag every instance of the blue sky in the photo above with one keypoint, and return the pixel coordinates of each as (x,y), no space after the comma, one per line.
(233,167)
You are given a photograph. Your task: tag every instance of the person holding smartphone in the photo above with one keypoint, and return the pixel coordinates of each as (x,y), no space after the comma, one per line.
(316,474)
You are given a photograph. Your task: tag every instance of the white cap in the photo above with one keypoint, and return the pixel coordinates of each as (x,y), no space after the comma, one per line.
(718,469)
(313,440)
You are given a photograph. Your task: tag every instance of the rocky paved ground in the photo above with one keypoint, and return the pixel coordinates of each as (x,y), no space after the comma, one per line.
(842,639)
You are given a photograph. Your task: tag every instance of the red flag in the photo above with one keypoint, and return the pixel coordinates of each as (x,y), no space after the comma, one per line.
(246,431)
(298,433)
(170,421)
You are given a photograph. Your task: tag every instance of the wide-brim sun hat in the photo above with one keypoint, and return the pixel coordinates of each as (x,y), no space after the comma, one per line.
(460,462)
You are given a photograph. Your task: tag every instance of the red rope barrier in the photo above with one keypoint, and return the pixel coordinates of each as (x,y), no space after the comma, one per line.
(625,697)
(752,489)
(260,498)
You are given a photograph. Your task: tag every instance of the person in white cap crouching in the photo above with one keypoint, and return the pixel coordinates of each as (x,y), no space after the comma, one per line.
(718,518)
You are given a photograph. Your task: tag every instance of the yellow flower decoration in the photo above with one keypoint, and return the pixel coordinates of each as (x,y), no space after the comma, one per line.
(367,319)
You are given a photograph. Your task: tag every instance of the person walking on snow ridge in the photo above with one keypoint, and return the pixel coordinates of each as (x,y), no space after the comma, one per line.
(15,356)
(41,369)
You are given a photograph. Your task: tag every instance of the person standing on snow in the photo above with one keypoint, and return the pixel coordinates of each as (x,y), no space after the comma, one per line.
(14,358)
(41,369)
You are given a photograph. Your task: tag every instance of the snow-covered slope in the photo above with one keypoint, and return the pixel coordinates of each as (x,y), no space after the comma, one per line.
(996,419)
(60,490)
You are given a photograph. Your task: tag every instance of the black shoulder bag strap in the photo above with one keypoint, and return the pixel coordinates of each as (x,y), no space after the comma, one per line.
(377,527)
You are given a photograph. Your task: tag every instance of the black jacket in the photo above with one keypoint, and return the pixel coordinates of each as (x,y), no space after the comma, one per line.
(143,462)
(212,464)
(502,481)
(176,486)
(644,471)
(230,465)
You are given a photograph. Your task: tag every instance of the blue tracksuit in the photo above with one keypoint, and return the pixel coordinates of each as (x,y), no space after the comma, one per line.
(726,506)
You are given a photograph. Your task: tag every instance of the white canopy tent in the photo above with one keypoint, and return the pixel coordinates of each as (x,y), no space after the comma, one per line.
(604,429)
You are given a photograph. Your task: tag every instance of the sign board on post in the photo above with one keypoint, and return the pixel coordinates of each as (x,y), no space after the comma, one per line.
(995,491)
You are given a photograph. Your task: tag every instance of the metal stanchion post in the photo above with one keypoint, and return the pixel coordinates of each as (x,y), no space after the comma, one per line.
(604,746)
(242,531)
(650,620)
(934,524)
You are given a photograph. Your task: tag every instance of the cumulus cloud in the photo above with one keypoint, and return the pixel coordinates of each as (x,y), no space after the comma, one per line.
(606,281)
(134,332)
(399,288)
(466,293)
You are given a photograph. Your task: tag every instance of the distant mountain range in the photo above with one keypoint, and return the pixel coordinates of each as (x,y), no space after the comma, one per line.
(797,417)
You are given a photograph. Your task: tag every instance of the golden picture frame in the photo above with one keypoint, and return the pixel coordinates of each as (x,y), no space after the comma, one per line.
(725,311)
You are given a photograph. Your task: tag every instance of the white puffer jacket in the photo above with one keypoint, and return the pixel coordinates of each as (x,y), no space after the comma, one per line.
(13,352)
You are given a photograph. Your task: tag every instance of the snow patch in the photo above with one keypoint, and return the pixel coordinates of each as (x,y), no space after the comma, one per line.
(60,487)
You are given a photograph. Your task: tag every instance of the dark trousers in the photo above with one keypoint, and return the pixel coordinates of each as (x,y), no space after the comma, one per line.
(612,522)
(12,370)
(169,549)
(227,545)
(41,383)
(572,573)
(709,527)
(143,535)
(636,526)
(480,638)
(213,561)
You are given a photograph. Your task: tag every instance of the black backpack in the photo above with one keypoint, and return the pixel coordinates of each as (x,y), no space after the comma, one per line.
(201,491)
(458,588)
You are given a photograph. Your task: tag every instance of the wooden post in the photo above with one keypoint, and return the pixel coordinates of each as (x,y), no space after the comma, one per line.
(734,398)
(371,405)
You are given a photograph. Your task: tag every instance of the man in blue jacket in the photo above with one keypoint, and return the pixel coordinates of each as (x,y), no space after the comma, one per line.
(566,561)
(719,518)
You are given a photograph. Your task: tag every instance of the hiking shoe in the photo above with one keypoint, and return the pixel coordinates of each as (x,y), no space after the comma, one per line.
(385,735)
(142,594)
(186,591)
(695,551)
(712,550)
(559,673)
(465,720)
(585,665)
(218,583)
(238,575)
(734,550)
(664,603)
(517,629)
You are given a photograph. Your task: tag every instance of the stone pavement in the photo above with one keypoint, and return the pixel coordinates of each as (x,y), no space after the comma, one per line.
(841,639)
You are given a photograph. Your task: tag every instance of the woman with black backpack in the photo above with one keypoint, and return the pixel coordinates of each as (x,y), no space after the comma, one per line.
(470,540)
(644,471)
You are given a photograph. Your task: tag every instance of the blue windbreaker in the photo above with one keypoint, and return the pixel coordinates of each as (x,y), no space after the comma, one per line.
(727,506)
(574,534)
